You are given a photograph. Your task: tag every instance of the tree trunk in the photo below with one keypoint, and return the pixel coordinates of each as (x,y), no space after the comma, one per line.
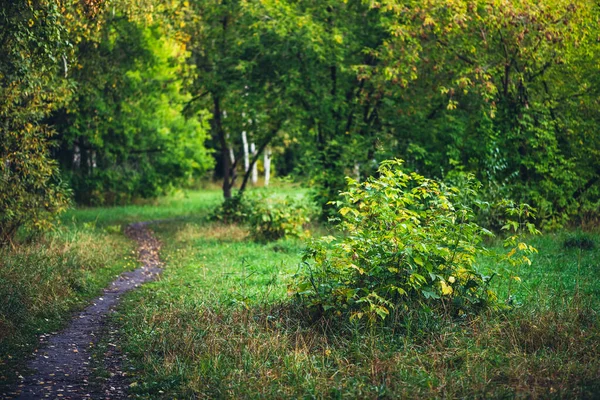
(255,156)
(246,155)
(225,155)
(254,166)
(267,165)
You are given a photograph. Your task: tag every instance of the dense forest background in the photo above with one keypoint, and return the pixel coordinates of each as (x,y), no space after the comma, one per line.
(103,102)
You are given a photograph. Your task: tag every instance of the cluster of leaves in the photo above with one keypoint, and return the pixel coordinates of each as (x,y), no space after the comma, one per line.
(95,90)
(123,134)
(233,210)
(407,240)
(32,39)
(503,89)
(498,87)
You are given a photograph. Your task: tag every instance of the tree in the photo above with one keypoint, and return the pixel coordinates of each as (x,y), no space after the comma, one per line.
(322,46)
(34,48)
(124,134)
(482,87)
(246,72)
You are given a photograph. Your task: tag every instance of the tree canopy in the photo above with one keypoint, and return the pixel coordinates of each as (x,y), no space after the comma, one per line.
(115,100)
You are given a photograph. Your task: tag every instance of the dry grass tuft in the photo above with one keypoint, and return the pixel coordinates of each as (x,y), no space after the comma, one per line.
(212,231)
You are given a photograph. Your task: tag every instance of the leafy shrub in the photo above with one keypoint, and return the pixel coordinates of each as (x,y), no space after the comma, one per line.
(31,39)
(272,218)
(488,205)
(232,210)
(268,217)
(406,239)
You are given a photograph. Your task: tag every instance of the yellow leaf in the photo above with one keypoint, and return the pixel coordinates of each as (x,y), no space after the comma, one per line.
(359,269)
(446,289)
(345,211)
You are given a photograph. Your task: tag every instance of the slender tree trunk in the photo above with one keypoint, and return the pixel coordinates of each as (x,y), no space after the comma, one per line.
(357,171)
(257,154)
(230,150)
(225,155)
(246,155)
(267,165)
(254,166)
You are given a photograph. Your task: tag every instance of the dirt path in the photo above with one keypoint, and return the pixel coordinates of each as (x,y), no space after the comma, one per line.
(62,367)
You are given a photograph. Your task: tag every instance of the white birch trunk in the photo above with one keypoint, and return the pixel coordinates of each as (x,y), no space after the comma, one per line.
(230,149)
(246,155)
(267,165)
(357,171)
(254,167)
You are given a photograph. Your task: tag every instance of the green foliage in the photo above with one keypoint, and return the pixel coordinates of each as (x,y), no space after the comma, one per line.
(580,240)
(406,240)
(271,218)
(497,88)
(32,40)
(506,90)
(124,134)
(31,194)
(219,324)
(232,210)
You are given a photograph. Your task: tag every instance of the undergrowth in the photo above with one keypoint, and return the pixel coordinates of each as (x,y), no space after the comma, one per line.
(220,324)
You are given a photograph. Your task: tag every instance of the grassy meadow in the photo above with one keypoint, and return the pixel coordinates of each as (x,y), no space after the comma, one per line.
(219,322)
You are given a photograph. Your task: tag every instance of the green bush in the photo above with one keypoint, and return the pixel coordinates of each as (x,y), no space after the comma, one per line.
(31,39)
(579,240)
(272,218)
(233,210)
(268,217)
(408,240)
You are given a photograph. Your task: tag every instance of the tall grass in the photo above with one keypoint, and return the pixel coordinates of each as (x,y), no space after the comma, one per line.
(42,283)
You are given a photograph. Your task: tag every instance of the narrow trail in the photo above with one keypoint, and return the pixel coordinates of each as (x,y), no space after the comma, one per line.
(62,365)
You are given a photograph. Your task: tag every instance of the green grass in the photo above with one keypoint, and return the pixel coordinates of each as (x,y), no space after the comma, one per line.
(219,324)
(181,205)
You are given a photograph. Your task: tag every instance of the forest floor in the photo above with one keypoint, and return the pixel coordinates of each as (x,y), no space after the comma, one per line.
(218,322)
